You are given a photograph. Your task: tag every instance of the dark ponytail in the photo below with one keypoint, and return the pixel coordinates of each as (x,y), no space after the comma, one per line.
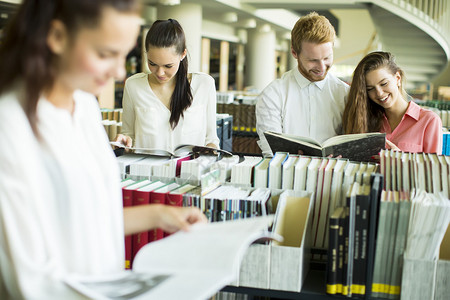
(165,34)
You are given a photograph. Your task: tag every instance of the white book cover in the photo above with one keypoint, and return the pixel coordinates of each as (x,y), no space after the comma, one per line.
(300,173)
(312,173)
(318,201)
(261,172)
(241,173)
(275,167)
(336,184)
(288,172)
(406,171)
(435,173)
(322,232)
(444,175)
(349,177)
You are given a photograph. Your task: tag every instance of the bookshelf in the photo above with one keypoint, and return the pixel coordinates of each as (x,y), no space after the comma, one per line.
(314,282)
(313,289)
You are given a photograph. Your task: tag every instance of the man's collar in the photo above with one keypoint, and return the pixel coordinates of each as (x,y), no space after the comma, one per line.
(303,82)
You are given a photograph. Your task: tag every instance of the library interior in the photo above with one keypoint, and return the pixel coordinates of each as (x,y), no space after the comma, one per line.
(353,218)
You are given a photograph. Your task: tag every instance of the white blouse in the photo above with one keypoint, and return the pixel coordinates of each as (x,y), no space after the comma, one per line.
(294,105)
(146,119)
(60,200)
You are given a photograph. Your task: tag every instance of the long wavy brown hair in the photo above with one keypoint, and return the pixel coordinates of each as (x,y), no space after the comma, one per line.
(361,114)
(24,54)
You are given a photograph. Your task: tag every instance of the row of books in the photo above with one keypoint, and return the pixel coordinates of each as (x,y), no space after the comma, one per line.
(352,232)
(370,236)
(112,114)
(244,117)
(153,192)
(112,128)
(410,226)
(404,171)
(184,168)
(246,144)
(328,179)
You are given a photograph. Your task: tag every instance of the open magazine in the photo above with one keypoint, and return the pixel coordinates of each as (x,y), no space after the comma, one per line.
(357,147)
(181,150)
(184,265)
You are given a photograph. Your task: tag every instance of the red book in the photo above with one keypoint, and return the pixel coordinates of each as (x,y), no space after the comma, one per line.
(159,196)
(175,197)
(179,160)
(127,198)
(141,196)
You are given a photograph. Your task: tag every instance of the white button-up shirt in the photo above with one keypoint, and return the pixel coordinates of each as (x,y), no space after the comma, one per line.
(146,119)
(60,200)
(295,105)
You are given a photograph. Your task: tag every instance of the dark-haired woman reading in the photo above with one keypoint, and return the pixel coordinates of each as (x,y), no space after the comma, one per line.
(169,106)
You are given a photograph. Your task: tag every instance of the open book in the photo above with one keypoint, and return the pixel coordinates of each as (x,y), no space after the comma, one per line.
(181,150)
(184,265)
(358,147)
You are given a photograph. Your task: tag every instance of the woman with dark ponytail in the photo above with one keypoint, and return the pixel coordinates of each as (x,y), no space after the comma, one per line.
(61,208)
(169,106)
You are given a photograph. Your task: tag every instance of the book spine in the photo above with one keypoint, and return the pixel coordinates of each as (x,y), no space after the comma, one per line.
(127,198)
(173,200)
(360,257)
(332,256)
(341,254)
(156,198)
(139,240)
(375,195)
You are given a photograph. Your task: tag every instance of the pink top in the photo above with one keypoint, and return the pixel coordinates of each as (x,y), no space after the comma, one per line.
(420,130)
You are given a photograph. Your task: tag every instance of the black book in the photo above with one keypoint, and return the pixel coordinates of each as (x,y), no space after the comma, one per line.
(334,283)
(361,234)
(376,182)
(349,246)
(343,234)
(356,147)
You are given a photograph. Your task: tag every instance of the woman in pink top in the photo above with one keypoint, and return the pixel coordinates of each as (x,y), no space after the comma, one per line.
(377,102)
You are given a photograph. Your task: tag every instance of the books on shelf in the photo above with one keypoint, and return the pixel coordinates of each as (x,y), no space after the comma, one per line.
(275,169)
(333,283)
(300,170)
(351,237)
(405,171)
(228,202)
(129,188)
(224,166)
(142,196)
(193,169)
(429,220)
(358,147)
(161,270)
(288,172)
(261,173)
(242,173)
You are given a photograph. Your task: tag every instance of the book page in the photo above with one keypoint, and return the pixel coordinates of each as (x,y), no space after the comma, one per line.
(297,138)
(339,139)
(184,265)
(203,244)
